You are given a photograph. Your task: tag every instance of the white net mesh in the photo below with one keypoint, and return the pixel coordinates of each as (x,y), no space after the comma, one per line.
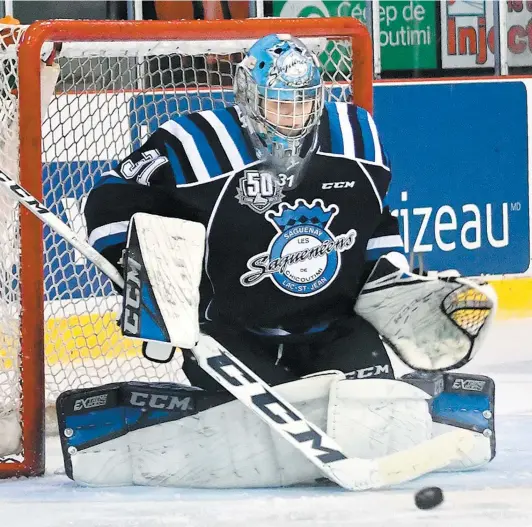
(108,98)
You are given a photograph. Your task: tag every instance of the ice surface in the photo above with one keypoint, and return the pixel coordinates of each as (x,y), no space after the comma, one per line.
(499,495)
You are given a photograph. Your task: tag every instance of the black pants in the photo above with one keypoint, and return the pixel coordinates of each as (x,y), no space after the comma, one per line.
(353,347)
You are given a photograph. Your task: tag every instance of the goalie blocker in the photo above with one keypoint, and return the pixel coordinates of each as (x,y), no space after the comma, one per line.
(173,435)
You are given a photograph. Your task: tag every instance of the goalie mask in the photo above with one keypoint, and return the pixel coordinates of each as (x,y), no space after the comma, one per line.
(279,89)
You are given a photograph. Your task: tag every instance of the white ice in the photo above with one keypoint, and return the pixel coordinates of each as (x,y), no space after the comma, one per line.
(499,495)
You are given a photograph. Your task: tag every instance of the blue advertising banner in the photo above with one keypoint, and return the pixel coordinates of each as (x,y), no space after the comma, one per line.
(461,178)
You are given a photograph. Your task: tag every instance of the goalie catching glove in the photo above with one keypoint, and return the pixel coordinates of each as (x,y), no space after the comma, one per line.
(434,322)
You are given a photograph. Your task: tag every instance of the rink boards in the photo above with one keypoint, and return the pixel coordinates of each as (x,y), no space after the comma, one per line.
(461,189)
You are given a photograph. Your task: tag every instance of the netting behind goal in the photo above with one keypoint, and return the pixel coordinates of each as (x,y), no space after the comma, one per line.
(106,86)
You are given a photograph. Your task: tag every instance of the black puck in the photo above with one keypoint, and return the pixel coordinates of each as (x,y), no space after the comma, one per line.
(428,498)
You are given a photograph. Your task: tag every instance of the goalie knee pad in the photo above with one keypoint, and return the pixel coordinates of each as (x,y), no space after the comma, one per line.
(375,417)
(462,401)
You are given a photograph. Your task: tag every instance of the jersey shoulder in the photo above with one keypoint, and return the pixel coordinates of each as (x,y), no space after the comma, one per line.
(349,131)
(207,144)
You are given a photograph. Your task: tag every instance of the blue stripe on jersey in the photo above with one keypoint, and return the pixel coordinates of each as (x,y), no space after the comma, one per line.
(236,134)
(203,146)
(367,136)
(109,180)
(108,241)
(337,142)
(175,165)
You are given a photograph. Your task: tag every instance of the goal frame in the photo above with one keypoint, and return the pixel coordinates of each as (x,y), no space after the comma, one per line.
(30,164)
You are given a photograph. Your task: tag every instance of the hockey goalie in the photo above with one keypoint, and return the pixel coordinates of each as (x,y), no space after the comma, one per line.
(262,226)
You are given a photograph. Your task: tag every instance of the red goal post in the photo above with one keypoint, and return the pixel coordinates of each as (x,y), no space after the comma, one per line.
(25,365)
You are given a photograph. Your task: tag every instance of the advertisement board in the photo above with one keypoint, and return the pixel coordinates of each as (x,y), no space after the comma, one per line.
(460,165)
(408,27)
(468,37)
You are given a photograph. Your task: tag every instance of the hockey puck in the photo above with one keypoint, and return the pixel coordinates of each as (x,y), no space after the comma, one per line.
(428,498)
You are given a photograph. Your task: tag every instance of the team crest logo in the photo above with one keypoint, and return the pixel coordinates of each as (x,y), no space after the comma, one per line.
(259,191)
(304,257)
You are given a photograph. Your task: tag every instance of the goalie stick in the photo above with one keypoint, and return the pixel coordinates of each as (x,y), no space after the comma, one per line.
(255,394)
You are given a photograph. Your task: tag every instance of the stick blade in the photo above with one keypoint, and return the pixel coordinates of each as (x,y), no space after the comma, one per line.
(403,466)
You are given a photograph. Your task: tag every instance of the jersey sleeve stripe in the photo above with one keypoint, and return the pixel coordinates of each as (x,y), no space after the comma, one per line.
(337,142)
(110,178)
(182,158)
(188,143)
(216,136)
(234,127)
(376,141)
(225,142)
(203,152)
(175,165)
(367,136)
(346,129)
(357,131)
(382,245)
(389,241)
(101,235)
(385,158)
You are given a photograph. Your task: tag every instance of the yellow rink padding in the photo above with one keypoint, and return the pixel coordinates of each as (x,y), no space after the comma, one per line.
(515,298)
(81,337)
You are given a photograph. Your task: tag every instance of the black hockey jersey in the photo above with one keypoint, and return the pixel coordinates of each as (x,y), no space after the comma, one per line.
(277,261)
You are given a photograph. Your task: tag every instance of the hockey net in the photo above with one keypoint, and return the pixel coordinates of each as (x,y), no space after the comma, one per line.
(104,87)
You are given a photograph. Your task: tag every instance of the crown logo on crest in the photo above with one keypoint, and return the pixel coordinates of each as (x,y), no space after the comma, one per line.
(301,213)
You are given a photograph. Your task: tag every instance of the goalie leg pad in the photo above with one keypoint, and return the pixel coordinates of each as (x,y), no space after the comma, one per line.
(467,401)
(142,434)
(172,435)
(94,425)
(462,401)
(374,417)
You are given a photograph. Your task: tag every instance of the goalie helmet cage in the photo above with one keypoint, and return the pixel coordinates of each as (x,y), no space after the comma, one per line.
(116,82)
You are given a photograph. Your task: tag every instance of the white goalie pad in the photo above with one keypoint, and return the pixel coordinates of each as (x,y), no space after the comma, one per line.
(163,264)
(227,446)
(375,417)
(431,322)
(230,447)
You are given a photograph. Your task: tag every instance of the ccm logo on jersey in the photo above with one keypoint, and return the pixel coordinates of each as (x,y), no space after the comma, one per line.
(470,385)
(338,184)
(90,402)
(371,371)
(161,402)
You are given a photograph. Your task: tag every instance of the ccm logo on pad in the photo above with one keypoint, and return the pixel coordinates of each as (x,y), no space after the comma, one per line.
(161,402)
